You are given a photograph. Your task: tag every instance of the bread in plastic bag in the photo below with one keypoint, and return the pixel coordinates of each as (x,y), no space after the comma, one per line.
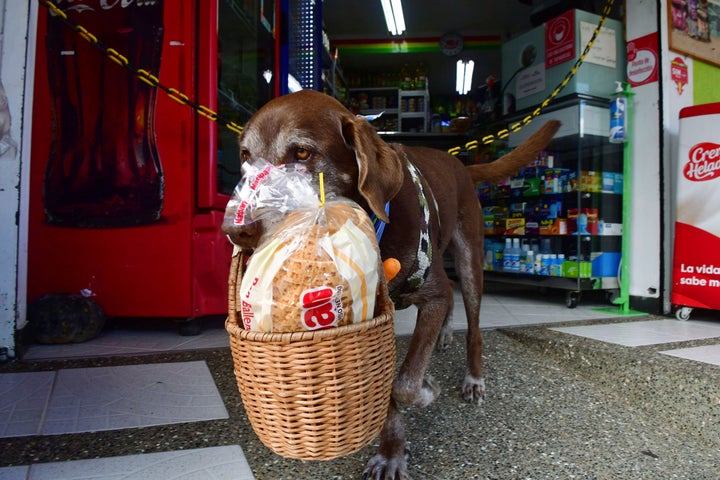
(317,266)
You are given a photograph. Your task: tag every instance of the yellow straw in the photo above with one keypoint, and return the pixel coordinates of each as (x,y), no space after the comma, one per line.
(322,190)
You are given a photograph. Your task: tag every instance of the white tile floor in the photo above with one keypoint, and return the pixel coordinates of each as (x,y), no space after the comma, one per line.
(653,332)
(107,398)
(76,400)
(705,354)
(200,464)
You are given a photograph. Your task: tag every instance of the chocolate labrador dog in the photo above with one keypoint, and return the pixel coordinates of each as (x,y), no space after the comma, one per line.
(428,201)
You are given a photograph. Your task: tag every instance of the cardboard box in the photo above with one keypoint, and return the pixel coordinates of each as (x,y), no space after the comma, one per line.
(548,227)
(535,62)
(489,220)
(515,226)
(610,229)
(575,269)
(605,264)
(531,186)
(590,181)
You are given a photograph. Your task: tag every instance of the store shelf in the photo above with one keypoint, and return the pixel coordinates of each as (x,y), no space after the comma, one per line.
(414,108)
(567,206)
(403,110)
(334,83)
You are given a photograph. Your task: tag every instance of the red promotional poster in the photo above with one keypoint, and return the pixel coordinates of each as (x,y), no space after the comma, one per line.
(642,60)
(696,263)
(560,39)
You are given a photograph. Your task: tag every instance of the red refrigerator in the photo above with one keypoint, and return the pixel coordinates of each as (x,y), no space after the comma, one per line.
(128,185)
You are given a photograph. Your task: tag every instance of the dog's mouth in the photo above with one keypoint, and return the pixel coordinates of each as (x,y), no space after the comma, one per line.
(246,236)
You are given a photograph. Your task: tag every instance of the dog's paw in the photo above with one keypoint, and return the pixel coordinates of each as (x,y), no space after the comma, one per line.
(473,389)
(446,337)
(382,468)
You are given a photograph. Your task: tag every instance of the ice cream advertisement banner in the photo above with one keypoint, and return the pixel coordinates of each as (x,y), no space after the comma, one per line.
(696,262)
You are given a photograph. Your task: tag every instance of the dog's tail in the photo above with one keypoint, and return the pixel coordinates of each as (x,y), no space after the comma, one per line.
(510,163)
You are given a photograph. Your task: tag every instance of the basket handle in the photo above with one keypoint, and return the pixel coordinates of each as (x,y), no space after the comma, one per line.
(238,260)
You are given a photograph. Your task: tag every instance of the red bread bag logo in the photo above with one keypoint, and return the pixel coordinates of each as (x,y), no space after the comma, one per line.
(703,162)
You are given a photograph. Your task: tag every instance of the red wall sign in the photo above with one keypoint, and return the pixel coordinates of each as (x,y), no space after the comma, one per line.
(560,39)
(642,60)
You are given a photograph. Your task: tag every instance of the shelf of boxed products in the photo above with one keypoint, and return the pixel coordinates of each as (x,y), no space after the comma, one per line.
(560,219)
(375,101)
(400,110)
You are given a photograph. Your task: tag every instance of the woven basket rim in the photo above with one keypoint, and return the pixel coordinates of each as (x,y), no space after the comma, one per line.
(315,335)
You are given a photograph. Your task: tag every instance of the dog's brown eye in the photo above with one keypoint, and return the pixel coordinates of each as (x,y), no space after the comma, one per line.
(302,154)
(245,155)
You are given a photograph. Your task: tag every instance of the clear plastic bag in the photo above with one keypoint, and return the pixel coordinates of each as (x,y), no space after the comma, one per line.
(268,192)
(317,266)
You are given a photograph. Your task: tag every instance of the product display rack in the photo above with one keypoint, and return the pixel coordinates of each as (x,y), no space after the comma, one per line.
(402,110)
(333,80)
(567,207)
(413,114)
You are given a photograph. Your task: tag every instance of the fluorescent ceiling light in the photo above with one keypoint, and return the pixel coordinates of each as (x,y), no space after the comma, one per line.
(463,76)
(394,16)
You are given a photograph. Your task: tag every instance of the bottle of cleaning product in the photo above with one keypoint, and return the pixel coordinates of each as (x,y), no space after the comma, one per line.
(537,265)
(498,256)
(529,262)
(545,264)
(561,260)
(515,258)
(618,115)
(507,255)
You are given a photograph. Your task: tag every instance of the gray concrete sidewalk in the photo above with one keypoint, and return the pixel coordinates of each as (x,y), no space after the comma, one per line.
(559,406)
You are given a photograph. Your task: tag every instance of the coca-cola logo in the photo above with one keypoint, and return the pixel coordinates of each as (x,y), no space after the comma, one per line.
(703,162)
(82,5)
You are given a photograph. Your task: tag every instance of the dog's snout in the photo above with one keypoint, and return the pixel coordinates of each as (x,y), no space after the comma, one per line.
(245,236)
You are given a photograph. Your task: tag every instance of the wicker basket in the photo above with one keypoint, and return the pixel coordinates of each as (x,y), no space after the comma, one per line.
(314,395)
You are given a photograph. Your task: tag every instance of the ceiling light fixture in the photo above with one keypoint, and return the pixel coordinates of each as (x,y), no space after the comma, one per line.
(463,77)
(394,16)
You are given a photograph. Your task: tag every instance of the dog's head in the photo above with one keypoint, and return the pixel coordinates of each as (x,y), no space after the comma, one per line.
(316,130)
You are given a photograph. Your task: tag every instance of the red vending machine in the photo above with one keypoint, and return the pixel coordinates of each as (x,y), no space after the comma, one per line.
(129,183)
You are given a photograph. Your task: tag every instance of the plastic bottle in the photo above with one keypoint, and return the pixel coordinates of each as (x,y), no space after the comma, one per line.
(420,76)
(507,255)
(561,260)
(618,115)
(537,268)
(515,256)
(545,246)
(529,262)
(498,259)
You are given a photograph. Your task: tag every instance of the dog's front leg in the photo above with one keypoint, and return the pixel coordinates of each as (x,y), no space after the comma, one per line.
(412,386)
(391,460)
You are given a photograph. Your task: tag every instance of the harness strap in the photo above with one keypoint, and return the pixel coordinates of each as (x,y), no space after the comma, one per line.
(423,258)
(378,224)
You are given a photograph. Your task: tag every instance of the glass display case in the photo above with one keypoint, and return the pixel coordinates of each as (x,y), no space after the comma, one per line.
(558,223)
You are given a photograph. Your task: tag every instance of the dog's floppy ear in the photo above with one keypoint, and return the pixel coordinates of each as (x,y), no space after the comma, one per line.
(380,173)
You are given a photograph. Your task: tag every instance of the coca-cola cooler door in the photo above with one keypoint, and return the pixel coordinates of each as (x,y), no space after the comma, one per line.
(235,78)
